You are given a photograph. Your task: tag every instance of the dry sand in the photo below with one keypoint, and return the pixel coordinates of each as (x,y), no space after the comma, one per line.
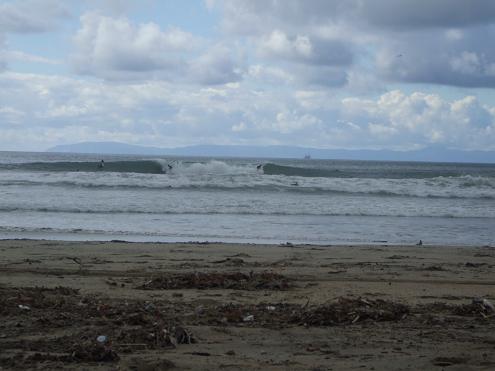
(216,306)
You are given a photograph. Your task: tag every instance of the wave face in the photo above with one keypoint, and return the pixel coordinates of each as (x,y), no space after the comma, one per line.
(67,192)
(146,167)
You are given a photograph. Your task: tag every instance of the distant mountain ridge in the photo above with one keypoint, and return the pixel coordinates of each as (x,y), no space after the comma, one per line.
(432,154)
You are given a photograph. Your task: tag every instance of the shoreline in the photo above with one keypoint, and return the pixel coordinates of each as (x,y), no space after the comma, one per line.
(245,306)
(110,238)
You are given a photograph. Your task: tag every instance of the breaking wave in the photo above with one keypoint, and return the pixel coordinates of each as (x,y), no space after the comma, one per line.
(220,177)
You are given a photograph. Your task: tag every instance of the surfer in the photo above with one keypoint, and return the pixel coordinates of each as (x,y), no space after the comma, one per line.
(101,165)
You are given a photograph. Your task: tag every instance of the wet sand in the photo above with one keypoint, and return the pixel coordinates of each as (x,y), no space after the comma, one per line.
(238,306)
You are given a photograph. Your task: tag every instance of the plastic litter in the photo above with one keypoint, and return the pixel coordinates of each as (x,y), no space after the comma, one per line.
(149,307)
(24,307)
(270,307)
(101,339)
(485,303)
(488,304)
(248,318)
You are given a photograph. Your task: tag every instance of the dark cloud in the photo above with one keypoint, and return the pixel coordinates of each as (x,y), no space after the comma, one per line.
(31,16)
(415,41)
(460,58)
(396,14)
(410,14)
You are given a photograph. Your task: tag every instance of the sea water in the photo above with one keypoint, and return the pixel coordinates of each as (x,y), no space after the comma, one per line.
(142,198)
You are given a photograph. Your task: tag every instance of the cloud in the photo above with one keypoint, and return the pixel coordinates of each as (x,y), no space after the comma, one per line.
(419,118)
(290,121)
(437,58)
(109,47)
(269,74)
(273,72)
(215,66)
(116,49)
(31,16)
(250,16)
(3,54)
(61,110)
(440,42)
(305,49)
(258,16)
(26,57)
(415,14)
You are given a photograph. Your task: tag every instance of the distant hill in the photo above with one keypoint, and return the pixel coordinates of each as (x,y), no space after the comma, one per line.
(437,154)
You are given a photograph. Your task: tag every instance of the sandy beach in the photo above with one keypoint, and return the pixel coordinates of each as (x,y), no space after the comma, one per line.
(209,306)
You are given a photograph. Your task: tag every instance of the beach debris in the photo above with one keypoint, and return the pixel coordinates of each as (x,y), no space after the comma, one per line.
(248,318)
(213,280)
(336,271)
(474,265)
(484,304)
(149,307)
(31,261)
(24,307)
(143,364)
(87,352)
(76,260)
(397,257)
(344,311)
(202,354)
(350,311)
(236,262)
(240,255)
(448,361)
(101,329)
(182,336)
(436,268)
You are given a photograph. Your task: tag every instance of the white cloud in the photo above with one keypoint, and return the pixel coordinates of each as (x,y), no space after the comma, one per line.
(239,127)
(62,109)
(108,46)
(116,49)
(278,44)
(269,74)
(423,118)
(215,66)
(290,121)
(16,55)
(273,72)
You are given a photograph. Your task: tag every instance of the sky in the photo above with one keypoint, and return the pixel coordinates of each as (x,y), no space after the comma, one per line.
(352,74)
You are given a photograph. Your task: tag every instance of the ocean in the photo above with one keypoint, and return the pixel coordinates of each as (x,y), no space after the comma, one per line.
(144,198)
